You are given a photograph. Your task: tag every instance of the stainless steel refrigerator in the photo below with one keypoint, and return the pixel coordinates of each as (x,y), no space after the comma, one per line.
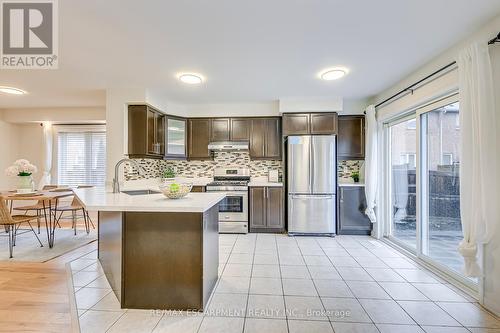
(312,184)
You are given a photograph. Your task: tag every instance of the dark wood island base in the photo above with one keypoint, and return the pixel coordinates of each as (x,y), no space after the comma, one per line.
(160,260)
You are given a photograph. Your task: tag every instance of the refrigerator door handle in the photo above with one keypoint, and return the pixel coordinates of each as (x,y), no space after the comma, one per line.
(316,196)
(311,184)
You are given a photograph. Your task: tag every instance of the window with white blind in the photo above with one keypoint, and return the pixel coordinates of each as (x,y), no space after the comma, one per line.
(81,155)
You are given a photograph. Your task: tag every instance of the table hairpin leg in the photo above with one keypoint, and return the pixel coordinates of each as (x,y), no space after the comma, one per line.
(50,224)
(53,223)
(46,222)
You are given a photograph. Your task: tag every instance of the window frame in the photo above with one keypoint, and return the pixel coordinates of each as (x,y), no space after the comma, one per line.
(77,128)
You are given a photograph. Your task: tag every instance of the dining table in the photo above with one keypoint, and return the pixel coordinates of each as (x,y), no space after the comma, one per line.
(49,199)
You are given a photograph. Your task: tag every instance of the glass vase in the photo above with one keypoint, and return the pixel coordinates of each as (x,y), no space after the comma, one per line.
(24,184)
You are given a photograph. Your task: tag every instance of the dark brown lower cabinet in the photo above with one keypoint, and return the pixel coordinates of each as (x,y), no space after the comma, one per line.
(160,260)
(352,206)
(266,209)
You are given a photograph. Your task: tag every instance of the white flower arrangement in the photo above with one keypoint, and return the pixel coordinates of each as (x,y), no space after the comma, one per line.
(21,168)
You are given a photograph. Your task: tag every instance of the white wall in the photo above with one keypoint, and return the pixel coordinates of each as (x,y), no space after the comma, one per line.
(21,141)
(491,289)
(117,124)
(57,115)
(8,152)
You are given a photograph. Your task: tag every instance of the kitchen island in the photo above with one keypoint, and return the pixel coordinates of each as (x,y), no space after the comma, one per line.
(157,253)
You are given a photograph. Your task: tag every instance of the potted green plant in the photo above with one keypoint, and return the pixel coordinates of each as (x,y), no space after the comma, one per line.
(169,174)
(355,177)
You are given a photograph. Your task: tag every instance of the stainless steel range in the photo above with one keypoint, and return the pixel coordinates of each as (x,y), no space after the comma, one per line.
(233,210)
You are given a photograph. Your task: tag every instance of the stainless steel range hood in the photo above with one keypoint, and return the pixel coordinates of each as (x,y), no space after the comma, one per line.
(228,146)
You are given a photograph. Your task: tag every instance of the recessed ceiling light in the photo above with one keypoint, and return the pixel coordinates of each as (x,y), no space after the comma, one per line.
(191,78)
(333,74)
(11,90)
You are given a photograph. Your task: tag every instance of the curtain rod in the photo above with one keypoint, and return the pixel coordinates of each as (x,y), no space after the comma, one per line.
(410,88)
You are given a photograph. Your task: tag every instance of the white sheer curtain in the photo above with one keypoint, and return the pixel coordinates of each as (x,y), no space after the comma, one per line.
(478,193)
(47,157)
(371,162)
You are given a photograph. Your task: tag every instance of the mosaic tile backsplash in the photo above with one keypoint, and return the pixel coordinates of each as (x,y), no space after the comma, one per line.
(155,168)
(346,168)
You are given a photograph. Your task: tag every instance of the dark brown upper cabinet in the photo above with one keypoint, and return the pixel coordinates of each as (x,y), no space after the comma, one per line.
(175,137)
(146,132)
(324,123)
(265,138)
(309,123)
(199,130)
(351,138)
(240,129)
(296,124)
(221,128)
(266,209)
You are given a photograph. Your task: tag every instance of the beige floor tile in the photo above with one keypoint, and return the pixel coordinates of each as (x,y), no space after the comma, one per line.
(332,288)
(299,287)
(233,285)
(227,305)
(268,271)
(438,292)
(109,303)
(306,308)
(295,272)
(134,322)
(416,275)
(320,260)
(266,259)
(242,270)
(385,312)
(324,272)
(221,325)
(384,274)
(259,325)
(403,291)
(291,260)
(266,306)
(302,326)
(428,313)
(345,310)
(98,321)
(86,298)
(367,289)
(100,282)
(354,274)
(266,286)
(178,324)
(82,278)
(470,315)
(354,328)
(391,328)
(442,329)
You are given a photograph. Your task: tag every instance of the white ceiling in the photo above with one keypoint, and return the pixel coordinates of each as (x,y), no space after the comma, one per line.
(249,51)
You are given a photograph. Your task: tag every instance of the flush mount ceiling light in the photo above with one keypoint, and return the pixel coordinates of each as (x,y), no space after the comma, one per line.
(11,90)
(190,78)
(333,74)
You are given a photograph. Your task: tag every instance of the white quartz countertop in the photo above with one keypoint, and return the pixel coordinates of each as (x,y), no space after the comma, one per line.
(351,184)
(98,199)
(260,183)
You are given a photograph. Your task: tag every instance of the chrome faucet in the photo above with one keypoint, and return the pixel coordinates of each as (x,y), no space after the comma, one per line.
(116,182)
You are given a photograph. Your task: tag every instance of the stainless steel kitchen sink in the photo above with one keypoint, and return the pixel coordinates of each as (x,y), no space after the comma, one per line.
(140,192)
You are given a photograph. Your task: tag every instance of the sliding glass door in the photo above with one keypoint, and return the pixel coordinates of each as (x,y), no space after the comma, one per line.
(423,184)
(402,167)
(440,205)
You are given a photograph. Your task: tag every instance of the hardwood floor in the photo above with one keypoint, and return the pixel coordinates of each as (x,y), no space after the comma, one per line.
(35,297)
